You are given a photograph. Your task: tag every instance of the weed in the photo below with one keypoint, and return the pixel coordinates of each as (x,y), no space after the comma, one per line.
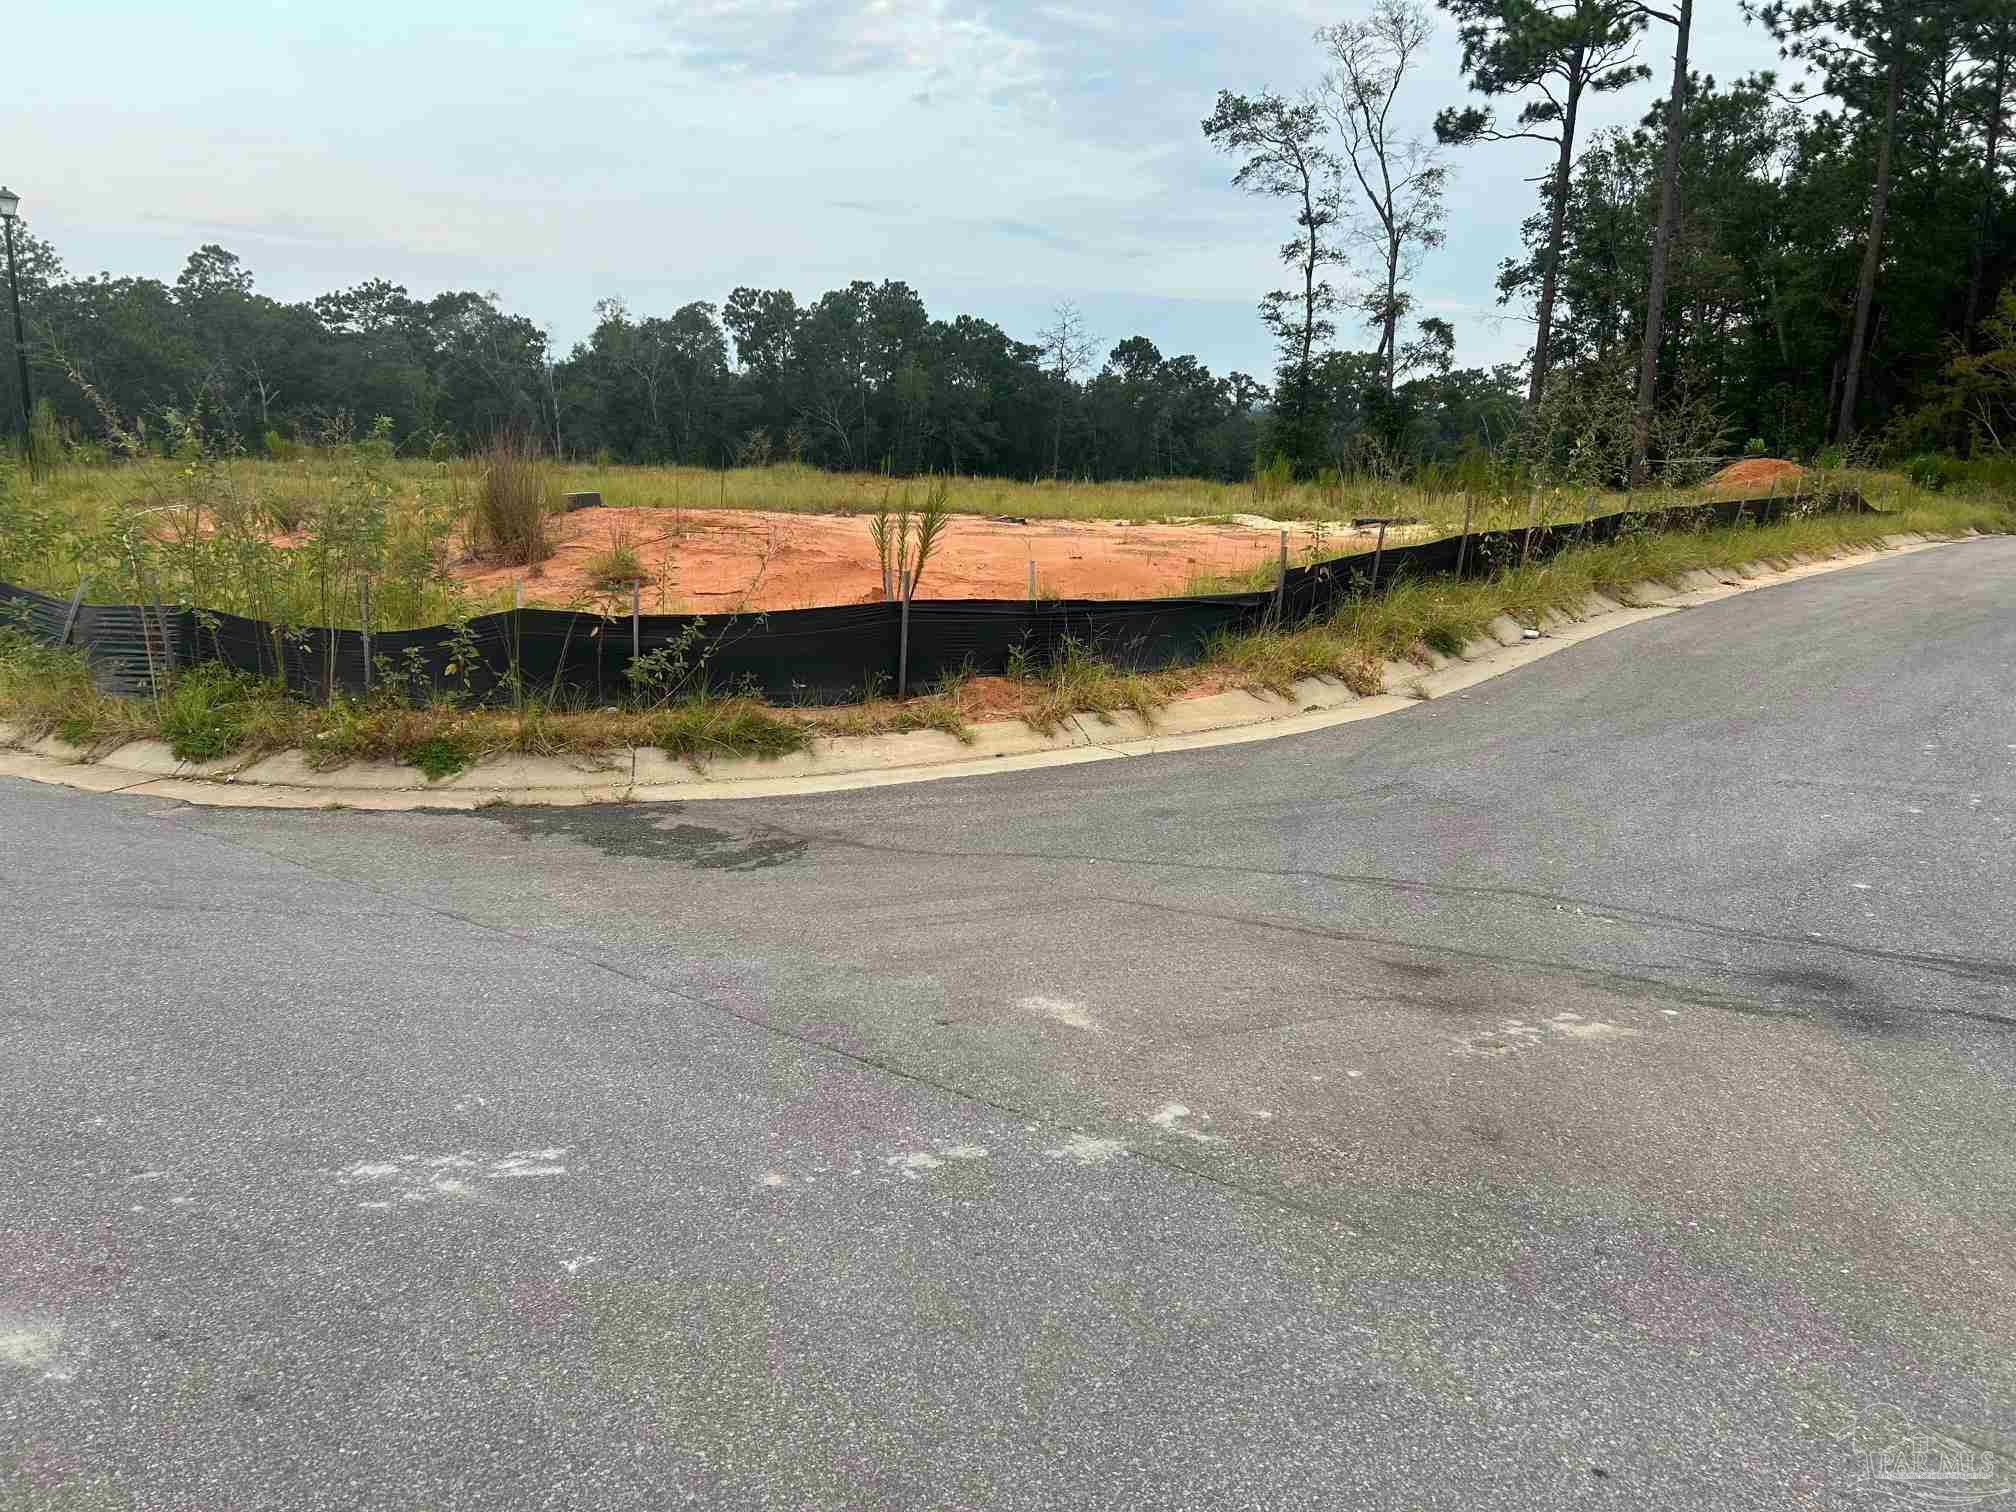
(617,569)
(210,712)
(1272,659)
(1272,479)
(1078,680)
(699,728)
(1442,640)
(514,498)
(440,756)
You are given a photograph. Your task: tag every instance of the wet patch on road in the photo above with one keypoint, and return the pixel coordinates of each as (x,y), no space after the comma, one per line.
(1839,999)
(637,834)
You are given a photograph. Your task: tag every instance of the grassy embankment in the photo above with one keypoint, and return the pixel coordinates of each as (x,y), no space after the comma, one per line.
(207,715)
(281,540)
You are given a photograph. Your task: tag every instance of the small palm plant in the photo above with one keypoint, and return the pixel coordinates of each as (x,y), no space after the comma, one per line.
(905,537)
(904,540)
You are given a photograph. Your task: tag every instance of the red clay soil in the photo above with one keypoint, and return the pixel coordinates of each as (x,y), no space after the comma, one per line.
(704,559)
(1758,473)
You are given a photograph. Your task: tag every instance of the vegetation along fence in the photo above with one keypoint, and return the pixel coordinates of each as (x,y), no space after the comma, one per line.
(793,656)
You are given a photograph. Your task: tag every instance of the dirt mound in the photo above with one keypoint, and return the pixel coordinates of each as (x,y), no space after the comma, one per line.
(1758,472)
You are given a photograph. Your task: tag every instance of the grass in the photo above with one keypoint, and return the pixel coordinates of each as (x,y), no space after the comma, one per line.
(313,539)
(517,480)
(616,569)
(209,714)
(1080,681)
(1413,616)
(514,498)
(944,707)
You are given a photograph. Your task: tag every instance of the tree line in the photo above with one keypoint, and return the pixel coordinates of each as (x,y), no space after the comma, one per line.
(860,378)
(1801,257)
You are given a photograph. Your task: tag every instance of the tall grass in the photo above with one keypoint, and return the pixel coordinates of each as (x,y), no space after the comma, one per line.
(514,499)
(292,540)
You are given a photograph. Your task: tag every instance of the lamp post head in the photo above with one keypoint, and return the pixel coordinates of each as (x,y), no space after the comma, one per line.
(9,203)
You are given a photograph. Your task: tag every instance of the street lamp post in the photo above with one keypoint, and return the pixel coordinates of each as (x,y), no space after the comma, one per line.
(10,205)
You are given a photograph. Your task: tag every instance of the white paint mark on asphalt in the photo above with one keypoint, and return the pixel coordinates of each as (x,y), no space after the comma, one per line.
(29,1346)
(1060,1010)
(1516,1034)
(146,1175)
(520,1163)
(1575,1027)
(573,1267)
(1861,886)
(1088,1149)
(1260,1113)
(420,1177)
(916,1162)
(1169,1118)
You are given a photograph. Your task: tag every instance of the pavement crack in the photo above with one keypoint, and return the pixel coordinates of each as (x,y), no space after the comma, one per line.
(1965,967)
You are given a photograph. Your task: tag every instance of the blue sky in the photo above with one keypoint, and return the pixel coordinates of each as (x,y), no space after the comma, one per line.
(998,156)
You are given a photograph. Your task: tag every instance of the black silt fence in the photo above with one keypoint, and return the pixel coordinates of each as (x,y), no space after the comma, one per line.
(793,656)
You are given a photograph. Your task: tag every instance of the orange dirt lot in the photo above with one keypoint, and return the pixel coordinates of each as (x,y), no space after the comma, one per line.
(1758,472)
(711,560)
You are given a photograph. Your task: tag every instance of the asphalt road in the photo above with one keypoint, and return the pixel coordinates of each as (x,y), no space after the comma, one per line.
(1590,1089)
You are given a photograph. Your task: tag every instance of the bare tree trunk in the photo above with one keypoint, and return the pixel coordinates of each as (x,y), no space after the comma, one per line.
(1872,255)
(1557,220)
(1389,338)
(1662,250)
(1308,281)
(1976,264)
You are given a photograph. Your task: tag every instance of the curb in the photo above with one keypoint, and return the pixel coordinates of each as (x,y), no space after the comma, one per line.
(148,768)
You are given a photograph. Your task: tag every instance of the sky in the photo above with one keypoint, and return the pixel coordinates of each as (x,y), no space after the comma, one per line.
(999,157)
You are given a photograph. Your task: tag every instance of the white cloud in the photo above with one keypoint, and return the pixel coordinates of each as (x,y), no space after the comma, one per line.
(997,154)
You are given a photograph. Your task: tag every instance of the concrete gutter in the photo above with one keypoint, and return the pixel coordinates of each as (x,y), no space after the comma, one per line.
(149,768)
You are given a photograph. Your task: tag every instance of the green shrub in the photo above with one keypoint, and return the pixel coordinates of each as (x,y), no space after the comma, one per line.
(210,712)
(440,756)
(1935,472)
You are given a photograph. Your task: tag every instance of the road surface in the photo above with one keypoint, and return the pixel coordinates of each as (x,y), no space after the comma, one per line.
(1590,1089)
